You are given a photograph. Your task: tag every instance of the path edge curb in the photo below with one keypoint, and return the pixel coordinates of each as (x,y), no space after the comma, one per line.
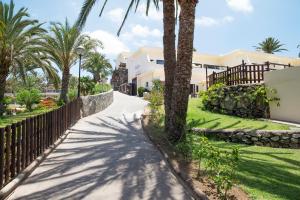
(6,191)
(187,184)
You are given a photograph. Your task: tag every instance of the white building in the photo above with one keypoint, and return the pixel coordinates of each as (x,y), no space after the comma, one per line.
(147,64)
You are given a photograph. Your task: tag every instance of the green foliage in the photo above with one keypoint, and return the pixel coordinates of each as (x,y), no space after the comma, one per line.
(220,165)
(87,86)
(157,86)
(241,100)
(141,91)
(72,94)
(270,45)
(101,87)
(28,98)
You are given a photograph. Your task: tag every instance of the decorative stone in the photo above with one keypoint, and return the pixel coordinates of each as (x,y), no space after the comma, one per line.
(254,139)
(259,143)
(296,136)
(295,140)
(275,139)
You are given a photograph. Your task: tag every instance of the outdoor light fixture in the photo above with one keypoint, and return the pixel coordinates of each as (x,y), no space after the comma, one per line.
(80,52)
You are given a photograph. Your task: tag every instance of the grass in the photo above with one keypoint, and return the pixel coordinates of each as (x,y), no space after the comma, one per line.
(210,120)
(7,120)
(267,173)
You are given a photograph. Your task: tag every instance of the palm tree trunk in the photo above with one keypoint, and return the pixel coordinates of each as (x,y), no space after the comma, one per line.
(183,71)
(3,76)
(96,77)
(65,85)
(169,55)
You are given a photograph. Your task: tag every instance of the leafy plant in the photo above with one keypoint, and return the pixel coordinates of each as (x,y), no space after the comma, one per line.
(270,45)
(101,87)
(87,86)
(141,91)
(28,98)
(72,94)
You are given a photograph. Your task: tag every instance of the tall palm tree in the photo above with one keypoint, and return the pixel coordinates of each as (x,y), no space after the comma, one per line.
(177,70)
(61,48)
(19,40)
(270,45)
(98,65)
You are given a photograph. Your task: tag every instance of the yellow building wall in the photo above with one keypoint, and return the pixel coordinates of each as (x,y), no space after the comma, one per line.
(287,84)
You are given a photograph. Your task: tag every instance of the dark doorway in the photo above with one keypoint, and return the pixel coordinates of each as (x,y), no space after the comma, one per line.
(134,87)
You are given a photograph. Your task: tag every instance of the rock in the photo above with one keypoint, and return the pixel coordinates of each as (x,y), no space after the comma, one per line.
(295,140)
(258,143)
(275,139)
(254,139)
(296,135)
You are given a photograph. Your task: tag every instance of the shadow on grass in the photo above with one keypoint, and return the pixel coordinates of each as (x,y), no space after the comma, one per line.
(267,171)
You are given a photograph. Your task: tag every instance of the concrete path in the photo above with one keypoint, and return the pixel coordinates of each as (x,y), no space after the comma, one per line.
(105,157)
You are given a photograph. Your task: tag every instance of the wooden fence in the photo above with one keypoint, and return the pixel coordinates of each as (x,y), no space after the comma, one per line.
(243,74)
(21,143)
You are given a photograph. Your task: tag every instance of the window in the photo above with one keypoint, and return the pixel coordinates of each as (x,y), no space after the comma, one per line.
(160,62)
(147,84)
(197,65)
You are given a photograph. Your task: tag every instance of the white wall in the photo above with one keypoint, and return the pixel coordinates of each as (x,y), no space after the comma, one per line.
(287,84)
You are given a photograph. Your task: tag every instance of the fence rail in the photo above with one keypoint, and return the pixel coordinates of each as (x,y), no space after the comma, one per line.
(243,74)
(21,143)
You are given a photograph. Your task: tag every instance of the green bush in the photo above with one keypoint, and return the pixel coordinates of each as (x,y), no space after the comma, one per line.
(141,91)
(87,86)
(28,98)
(72,94)
(101,87)
(220,165)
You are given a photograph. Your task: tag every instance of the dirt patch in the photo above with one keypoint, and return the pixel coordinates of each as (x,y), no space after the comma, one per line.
(201,185)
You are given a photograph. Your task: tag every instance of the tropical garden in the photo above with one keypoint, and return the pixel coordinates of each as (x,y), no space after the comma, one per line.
(221,169)
(35,58)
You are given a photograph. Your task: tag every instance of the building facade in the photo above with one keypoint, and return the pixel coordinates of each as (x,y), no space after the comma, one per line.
(147,64)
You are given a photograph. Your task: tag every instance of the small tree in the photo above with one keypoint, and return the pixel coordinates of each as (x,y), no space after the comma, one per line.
(28,98)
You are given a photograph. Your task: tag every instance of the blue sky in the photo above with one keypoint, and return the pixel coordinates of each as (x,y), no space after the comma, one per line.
(221,25)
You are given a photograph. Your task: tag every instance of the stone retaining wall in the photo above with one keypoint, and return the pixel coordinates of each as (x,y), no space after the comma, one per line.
(96,103)
(238,100)
(269,138)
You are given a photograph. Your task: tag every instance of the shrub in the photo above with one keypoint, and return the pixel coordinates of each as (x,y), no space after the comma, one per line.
(28,98)
(48,103)
(87,86)
(101,87)
(72,94)
(157,86)
(141,91)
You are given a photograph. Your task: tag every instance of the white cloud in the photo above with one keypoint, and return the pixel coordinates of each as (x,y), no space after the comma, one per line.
(112,44)
(116,15)
(142,32)
(241,5)
(209,21)
(153,13)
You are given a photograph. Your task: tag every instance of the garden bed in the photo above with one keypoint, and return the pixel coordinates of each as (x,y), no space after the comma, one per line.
(188,171)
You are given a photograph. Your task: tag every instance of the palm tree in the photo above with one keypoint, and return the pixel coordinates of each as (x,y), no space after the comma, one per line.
(19,40)
(61,46)
(177,72)
(98,65)
(270,45)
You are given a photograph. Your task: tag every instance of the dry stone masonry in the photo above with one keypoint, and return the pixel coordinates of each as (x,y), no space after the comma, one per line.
(268,138)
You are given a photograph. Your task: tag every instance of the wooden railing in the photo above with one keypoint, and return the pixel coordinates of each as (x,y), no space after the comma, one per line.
(243,74)
(21,143)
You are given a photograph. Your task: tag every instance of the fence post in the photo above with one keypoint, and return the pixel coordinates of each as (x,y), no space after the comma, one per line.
(7,157)
(1,156)
(268,65)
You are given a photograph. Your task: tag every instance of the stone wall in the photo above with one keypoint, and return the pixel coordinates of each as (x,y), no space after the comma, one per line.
(269,138)
(238,100)
(96,103)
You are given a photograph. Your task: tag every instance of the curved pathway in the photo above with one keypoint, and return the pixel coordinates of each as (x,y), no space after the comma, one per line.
(106,156)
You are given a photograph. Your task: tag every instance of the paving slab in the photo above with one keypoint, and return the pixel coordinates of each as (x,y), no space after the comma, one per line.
(105,156)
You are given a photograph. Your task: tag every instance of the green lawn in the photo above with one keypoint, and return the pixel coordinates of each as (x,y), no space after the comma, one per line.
(7,120)
(267,173)
(206,119)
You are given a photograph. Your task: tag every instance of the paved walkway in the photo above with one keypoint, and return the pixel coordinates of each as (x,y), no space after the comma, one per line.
(105,157)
